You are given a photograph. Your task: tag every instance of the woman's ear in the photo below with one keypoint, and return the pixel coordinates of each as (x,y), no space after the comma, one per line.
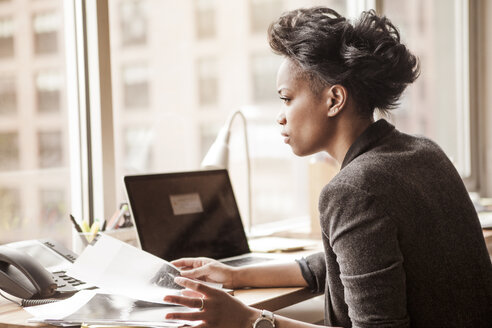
(336,98)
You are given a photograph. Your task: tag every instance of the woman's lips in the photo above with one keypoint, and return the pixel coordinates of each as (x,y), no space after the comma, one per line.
(286,137)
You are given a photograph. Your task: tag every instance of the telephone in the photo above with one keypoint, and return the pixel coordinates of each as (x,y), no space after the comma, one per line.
(35,269)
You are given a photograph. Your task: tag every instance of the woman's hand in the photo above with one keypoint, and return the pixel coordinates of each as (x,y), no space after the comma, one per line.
(207,270)
(217,308)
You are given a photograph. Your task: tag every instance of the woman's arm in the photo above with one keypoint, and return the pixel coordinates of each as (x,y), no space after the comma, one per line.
(267,275)
(270,275)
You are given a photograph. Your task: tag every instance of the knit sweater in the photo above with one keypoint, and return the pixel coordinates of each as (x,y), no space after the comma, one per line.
(403,246)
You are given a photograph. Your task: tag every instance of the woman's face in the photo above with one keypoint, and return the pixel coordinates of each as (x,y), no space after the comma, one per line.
(304,115)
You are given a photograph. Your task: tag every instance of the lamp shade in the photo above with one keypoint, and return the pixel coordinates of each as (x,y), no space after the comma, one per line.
(217,156)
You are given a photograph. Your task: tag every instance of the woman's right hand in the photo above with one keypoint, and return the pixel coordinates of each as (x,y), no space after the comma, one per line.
(206,269)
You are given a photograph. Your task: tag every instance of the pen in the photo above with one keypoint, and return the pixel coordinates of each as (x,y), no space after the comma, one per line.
(94,231)
(85,226)
(75,224)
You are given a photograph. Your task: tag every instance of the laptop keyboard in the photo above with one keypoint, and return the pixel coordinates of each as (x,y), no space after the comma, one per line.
(246,260)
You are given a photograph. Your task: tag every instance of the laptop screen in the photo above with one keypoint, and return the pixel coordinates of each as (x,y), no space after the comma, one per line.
(186,214)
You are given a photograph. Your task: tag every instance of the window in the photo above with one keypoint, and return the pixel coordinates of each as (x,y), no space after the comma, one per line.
(138,149)
(133,22)
(50,149)
(263,12)
(45,28)
(9,151)
(11,218)
(233,68)
(8,98)
(6,37)
(435,105)
(34,173)
(208,87)
(48,85)
(264,70)
(205,19)
(136,87)
(53,207)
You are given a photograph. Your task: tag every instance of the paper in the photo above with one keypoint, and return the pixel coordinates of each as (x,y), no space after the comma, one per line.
(121,269)
(92,307)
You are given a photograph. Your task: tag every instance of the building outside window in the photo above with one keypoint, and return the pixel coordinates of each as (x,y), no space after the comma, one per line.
(45,28)
(208,84)
(138,149)
(10,204)
(264,76)
(136,86)
(205,22)
(34,172)
(263,12)
(133,18)
(8,97)
(50,149)
(9,150)
(53,207)
(6,37)
(48,85)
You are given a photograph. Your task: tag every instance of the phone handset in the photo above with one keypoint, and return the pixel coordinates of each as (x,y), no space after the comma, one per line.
(22,276)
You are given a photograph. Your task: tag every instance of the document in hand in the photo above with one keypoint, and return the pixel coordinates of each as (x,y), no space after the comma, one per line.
(94,308)
(121,269)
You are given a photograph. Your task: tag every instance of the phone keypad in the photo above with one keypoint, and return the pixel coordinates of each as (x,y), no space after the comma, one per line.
(66,283)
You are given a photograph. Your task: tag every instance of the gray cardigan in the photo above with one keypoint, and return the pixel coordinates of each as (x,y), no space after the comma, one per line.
(403,244)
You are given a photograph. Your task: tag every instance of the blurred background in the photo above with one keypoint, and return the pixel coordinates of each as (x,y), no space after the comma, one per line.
(178,70)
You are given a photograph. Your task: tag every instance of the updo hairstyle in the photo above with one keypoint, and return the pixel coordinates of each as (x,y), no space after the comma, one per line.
(366,57)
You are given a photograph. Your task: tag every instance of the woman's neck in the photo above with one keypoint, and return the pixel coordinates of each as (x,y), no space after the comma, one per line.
(348,130)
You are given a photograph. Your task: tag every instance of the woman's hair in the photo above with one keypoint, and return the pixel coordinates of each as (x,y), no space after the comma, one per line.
(366,57)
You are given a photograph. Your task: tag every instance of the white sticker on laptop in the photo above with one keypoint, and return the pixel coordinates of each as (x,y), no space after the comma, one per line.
(186,204)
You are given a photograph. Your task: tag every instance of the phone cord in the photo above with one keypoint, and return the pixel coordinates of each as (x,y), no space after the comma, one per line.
(26,303)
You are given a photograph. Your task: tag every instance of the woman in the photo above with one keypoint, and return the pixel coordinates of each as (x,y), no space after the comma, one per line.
(402,242)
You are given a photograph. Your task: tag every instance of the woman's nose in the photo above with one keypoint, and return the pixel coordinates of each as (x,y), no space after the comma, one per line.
(281,118)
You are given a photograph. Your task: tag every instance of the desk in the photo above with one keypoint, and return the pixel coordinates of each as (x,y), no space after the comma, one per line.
(272,299)
(12,316)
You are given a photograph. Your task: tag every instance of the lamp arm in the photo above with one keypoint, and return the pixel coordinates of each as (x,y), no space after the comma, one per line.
(248,162)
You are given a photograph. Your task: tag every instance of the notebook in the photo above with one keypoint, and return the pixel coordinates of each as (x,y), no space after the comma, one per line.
(189,214)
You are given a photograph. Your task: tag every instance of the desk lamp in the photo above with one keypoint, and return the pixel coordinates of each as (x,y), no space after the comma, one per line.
(217,156)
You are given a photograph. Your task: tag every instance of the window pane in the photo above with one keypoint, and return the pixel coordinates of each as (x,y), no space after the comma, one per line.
(203,60)
(8,97)
(9,150)
(205,18)
(50,149)
(6,37)
(136,86)
(430,106)
(45,28)
(133,22)
(208,87)
(34,172)
(48,86)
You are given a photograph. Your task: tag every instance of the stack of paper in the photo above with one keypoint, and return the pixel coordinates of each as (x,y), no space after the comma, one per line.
(132,284)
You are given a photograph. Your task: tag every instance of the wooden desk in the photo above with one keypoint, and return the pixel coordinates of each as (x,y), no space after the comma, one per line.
(272,299)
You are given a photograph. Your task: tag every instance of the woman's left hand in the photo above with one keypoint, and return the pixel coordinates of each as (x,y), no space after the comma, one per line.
(218,309)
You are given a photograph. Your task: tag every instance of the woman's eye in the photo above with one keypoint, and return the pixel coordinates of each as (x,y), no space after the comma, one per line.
(285,99)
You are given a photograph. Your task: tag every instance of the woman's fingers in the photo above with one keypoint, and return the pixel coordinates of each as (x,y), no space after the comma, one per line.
(191,262)
(196,286)
(196,273)
(191,316)
(191,302)
(190,293)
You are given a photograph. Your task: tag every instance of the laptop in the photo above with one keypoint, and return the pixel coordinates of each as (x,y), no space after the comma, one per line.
(189,214)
